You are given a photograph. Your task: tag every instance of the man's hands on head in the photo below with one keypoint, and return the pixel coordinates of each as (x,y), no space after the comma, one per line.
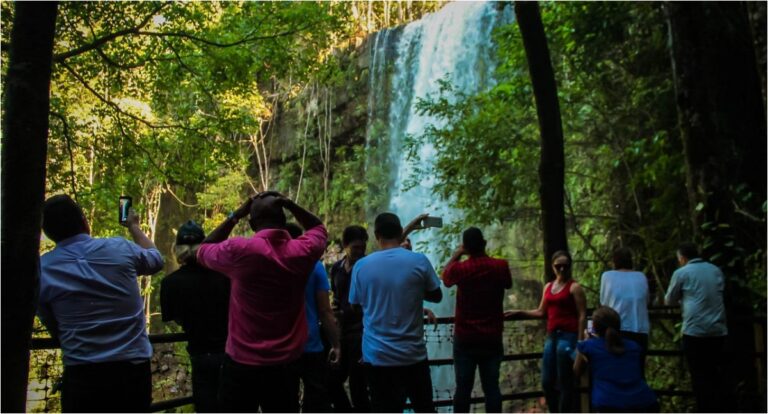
(244,210)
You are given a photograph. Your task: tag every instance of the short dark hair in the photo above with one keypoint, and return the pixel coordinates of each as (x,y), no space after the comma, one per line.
(473,240)
(62,218)
(294,230)
(387,226)
(354,233)
(688,250)
(266,211)
(622,258)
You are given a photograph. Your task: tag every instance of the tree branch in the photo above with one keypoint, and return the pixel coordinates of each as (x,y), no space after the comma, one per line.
(61,57)
(247,39)
(152,161)
(116,107)
(68,139)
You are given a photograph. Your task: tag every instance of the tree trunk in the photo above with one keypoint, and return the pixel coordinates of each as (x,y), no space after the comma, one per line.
(25,140)
(552,162)
(722,124)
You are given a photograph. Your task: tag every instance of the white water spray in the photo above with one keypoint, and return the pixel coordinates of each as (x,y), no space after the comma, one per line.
(407,63)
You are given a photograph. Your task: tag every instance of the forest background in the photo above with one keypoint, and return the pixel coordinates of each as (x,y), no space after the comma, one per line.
(189,107)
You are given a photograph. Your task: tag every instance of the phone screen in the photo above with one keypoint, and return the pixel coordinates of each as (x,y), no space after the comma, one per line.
(125,204)
(433,222)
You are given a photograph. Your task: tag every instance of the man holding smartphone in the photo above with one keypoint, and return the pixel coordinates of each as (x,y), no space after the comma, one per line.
(391,286)
(267,322)
(477,342)
(89,300)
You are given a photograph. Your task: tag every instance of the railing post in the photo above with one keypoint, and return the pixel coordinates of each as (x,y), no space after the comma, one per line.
(759,350)
(584,393)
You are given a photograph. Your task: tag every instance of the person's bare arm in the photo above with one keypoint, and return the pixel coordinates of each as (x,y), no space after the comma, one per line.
(430,316)
(434,296)
(581,307)
(306,219)
(222,232)
(330,328)
(415,224)
(137,234)
(579,364)
(537,313)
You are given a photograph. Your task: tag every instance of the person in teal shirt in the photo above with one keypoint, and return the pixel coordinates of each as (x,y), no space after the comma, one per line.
(698,286)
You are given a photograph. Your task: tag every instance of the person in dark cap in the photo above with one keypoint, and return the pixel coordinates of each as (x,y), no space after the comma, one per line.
(198,299)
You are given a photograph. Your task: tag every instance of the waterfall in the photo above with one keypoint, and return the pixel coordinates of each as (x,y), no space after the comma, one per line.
(407,63)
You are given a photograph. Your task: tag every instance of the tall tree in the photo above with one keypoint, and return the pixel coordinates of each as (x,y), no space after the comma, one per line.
(552,162)
(722,124)
(25,136)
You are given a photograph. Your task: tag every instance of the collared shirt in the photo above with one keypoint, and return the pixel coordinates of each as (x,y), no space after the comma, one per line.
(197,299)
(390,286)
(700,285)
(481,282)
(317,283)
(89,295)
(627,294)
(268,271)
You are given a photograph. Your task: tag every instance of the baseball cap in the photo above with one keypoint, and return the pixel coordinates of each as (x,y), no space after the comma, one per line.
(190,233)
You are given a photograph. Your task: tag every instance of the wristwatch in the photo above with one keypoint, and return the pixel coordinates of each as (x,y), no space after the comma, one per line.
(233,217)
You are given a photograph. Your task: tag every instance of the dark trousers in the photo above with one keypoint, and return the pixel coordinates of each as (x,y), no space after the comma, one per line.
(350,367)
(313,372)
(206,371)
(248,388)
(467,358)
(391,386)
(706,365)
(642,340)
(107,387)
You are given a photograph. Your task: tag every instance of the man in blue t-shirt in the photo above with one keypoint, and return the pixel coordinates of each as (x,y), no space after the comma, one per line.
(313,363)
(390,285)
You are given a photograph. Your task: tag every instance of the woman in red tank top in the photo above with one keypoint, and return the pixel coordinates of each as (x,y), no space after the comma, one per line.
(564,305)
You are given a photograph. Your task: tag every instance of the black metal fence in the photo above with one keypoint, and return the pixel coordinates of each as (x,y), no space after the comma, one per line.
(520,369)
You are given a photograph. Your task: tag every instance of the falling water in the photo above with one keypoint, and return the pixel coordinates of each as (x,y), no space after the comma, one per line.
(407,63)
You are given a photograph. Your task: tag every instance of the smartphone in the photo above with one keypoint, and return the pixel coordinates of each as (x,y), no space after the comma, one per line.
(590,328)
(433,222)
(125,205)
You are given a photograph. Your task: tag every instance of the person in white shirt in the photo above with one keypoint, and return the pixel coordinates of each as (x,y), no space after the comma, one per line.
(626,291)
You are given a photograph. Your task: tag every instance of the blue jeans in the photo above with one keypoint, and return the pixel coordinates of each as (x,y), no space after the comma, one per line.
(488,359)
(557,377)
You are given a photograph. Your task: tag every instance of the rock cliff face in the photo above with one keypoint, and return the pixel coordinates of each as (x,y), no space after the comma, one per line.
(342,99)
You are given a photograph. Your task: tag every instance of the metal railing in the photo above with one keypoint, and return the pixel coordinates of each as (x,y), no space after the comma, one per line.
(656,313)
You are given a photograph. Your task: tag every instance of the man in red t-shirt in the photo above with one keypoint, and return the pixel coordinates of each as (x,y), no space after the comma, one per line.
(477,342)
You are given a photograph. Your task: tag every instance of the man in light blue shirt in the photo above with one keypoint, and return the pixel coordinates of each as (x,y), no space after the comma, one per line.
(390,285)
(698,285)
(90,300)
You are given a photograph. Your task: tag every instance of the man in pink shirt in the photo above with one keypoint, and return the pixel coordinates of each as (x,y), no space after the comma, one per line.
(267,323)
